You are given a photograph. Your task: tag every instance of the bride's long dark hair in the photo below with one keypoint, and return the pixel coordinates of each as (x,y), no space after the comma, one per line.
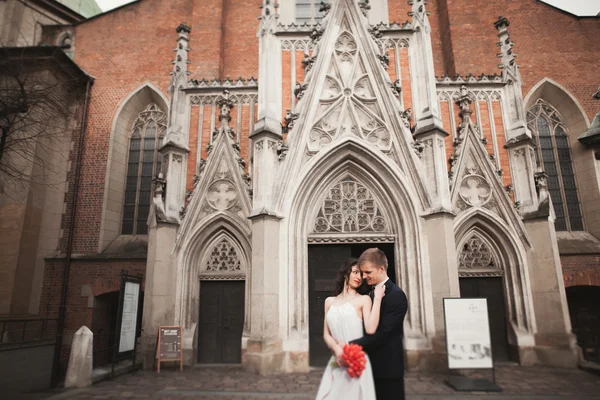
(342,278)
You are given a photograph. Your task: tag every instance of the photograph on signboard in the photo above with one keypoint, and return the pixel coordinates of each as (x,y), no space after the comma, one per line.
(129,317)
(467,334)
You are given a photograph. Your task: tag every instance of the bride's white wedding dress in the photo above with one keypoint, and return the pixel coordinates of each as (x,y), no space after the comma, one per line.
(345,325)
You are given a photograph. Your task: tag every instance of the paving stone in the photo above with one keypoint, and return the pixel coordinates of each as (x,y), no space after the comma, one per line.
(222,383)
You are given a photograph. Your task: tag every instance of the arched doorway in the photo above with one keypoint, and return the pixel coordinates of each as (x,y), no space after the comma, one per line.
(585,319)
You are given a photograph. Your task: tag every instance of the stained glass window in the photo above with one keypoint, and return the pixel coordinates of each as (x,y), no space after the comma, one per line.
(143,164)
(554,155)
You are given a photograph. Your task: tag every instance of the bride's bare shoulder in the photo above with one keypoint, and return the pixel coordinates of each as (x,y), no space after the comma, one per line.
(365,299)
(329,301)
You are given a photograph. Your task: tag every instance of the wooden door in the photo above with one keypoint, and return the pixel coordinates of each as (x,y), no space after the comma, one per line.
(491,289)
(221,322)
(324,261)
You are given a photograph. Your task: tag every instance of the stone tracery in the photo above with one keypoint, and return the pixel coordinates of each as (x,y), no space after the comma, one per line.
(349,207)
(223,258)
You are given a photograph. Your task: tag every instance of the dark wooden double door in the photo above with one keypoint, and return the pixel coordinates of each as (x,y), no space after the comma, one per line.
(491,289)
(324,261)
(221,322)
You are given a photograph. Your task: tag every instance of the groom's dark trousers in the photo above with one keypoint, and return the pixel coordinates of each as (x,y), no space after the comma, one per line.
(385,348)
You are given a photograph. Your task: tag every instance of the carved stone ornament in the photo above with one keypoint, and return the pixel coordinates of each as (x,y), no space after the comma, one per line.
(348,104)
(223,258)
(349,207)
(476,254)
(222,194)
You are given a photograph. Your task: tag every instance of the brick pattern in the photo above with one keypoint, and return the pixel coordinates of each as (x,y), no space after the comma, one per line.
(469,43)
(102,276)
(581,269)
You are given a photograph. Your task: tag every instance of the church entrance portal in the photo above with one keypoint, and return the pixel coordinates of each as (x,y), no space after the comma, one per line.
(324,260)
(491,289)
(221,322)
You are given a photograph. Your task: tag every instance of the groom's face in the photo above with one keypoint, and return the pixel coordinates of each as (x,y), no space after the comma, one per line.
(372,273)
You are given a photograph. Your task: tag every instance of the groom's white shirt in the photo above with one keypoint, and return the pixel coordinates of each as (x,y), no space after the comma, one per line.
(382,283)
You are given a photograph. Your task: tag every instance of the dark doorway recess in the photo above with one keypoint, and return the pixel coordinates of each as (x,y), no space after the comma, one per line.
(491,289)
(585,319)
(221,322)
(324,261)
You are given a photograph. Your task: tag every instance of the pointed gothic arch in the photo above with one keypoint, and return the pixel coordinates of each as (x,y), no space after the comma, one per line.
(572,121)
(510,259)
(116,169)
(400,206)
(196,251)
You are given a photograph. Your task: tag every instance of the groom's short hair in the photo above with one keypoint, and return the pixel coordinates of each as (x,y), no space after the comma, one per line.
(373,256)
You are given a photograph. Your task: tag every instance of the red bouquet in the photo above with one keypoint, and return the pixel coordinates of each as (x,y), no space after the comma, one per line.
(354,356)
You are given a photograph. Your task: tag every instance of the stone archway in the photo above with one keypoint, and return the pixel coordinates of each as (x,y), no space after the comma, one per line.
(399,206)
(487,249)
(217,250)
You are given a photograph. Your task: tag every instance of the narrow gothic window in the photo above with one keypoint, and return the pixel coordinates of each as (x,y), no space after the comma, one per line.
(307,11)
(554,155)
(143,164)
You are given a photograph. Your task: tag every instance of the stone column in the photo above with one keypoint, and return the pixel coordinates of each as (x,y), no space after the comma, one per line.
(159,289)
(554,342)
(439,228)
(264,352)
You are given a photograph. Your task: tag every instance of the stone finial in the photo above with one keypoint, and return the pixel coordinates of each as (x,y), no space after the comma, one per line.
(418,12)
(541,184)
(225,105)
(364,6)
(183,29)
(268,17)
(509,67)
(324,8)
(464,101)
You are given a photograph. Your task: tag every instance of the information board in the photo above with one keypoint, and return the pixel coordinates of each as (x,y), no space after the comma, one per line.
(129,317)
(468,342)
(169,345)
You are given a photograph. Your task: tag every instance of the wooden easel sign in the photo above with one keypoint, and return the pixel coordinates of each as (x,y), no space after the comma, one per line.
(169,345)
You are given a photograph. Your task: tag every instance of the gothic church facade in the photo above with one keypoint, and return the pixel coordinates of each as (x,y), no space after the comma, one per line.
(237,199)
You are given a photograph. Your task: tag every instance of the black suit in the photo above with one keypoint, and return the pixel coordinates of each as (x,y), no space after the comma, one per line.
(385,348)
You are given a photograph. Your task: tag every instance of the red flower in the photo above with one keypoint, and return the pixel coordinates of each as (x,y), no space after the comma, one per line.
(354,356)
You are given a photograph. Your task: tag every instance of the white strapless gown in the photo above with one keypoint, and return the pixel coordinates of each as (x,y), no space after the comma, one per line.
(345,325)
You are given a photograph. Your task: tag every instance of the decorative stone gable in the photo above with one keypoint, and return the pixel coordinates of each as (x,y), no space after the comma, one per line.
(223,185)
(348,103)
(475,181)
(349,207)
(348,95)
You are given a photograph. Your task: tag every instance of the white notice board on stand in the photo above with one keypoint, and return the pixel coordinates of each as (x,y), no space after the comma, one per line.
(468,342)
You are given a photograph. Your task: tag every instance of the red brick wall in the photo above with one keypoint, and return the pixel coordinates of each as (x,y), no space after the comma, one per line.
(581,269)
(102,276)
(548,42)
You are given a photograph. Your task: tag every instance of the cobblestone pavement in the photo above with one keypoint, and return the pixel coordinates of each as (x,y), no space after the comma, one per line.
(223,383)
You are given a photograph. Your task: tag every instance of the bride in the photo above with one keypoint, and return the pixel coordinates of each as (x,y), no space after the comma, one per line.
(348,315)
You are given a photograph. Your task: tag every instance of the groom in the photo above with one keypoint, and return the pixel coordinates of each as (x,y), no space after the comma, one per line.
(384,347)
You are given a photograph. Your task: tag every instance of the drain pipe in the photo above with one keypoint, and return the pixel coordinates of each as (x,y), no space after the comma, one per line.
(66,271)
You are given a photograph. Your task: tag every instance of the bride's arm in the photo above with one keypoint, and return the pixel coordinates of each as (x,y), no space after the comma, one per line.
(329,340)
(371,312)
